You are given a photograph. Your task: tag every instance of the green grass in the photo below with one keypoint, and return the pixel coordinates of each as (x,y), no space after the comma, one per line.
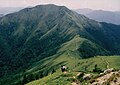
(67,55)
(68,58)
(100,61)
(54,79)
(76,65)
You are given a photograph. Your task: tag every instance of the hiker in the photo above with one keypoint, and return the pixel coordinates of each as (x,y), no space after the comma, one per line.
(63,68)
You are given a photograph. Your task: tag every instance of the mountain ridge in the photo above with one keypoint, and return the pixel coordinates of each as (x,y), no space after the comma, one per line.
(33,34)
(101,15)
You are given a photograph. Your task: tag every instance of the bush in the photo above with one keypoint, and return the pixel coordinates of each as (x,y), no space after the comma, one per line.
(96,69)
(80,77)
(72,80)
(53,71)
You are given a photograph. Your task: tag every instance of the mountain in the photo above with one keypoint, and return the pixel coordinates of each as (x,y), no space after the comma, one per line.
(34,38)
(101,15)
(83,11)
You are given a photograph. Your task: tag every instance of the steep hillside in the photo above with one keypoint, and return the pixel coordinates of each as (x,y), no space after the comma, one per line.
(34,34)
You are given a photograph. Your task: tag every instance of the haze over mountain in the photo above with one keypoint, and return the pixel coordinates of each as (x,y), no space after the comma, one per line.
(33,34)
(7,10)
(1,15)
(101,15)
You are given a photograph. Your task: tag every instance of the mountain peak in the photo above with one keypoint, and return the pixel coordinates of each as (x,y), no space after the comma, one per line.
(50,6)
(47,7)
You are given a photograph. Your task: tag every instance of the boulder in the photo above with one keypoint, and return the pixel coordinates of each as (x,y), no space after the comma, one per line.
(79,74)
(101,74)
(108,70)
(87,76)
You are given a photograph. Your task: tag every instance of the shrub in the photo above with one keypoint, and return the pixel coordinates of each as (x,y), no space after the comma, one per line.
(80,76)
(96,69)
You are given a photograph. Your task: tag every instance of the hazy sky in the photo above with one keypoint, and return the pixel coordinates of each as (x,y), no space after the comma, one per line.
(113,5)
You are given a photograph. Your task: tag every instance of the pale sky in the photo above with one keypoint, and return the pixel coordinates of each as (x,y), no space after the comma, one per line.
(113,5)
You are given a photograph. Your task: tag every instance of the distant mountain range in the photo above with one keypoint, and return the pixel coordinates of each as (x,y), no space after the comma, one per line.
(1,15)
(101,15)
(29,36)
(7,10)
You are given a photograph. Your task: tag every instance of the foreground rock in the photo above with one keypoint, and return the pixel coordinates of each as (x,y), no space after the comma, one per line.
(111,78)
(87,76)
(108,70)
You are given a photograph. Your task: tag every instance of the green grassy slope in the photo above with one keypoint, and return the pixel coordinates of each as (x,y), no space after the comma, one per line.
(68,54)
(44,66)
(82,47)
(77,65)
(54,79)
